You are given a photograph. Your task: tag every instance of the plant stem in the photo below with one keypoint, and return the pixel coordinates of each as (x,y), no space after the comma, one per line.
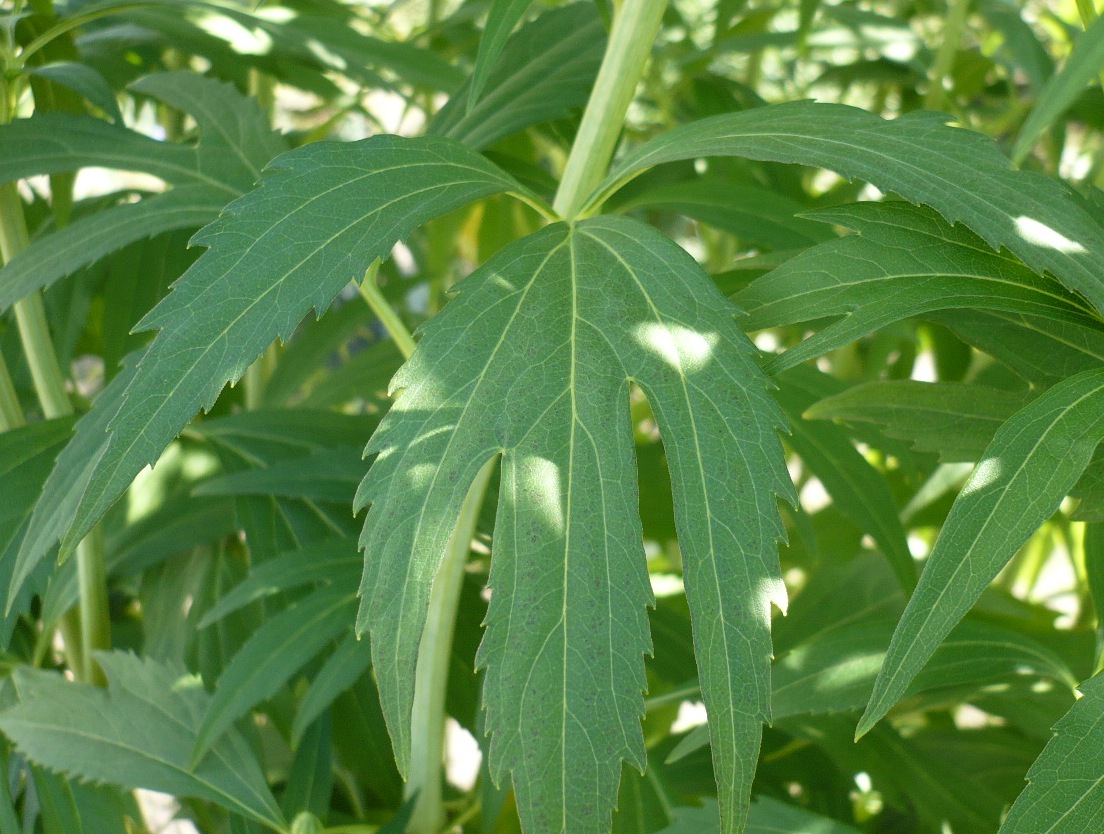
(11,414)
(34,333)
(389,318)
(634,31)
(953,29)
(431,678)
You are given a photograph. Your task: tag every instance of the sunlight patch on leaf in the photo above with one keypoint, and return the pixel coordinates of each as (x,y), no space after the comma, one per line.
(680,347)
(1041,234)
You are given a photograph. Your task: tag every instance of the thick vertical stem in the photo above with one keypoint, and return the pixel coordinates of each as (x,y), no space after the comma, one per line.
(431,679)
(953,29)
(94,621)
(634,31)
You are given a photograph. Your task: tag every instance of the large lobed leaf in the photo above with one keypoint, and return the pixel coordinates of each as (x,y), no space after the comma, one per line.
(961,174)
(533,362)
(138,733)
(320,217)
(1030,466)
(1065,792)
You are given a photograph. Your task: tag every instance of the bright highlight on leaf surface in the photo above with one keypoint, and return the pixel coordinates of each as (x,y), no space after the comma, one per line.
(532,362)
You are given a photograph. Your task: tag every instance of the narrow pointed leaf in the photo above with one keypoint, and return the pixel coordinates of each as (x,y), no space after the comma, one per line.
(959,173)
(327,561)
(954,420)
(1031,465)
(236,141)
(501,20)
(546,69)
(322,214)
(274,652)
(1085,63)
(86,240)
(1065,791)
(905,260)
(54,143)
(349,661)
(83,79)
(858,490)
(68,481)
(566,628)
(138,733)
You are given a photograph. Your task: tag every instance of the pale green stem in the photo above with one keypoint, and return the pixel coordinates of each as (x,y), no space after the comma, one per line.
(95,616)
(1087,11)
(431,678)
(34,333)
(389,318)
(953,29)
(634,31)
(11,414)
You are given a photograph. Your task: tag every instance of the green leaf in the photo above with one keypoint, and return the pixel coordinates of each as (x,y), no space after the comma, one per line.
(835,672)
(329,475)
(349,661)
(501,20)
(274,652)
(566,629)
(1065,790)
(959,173)
(1031,465)
(954,420)
(1084,64)
(546,69)
(905,261)
(83,242)
(768,816)
(138,733)
(82,79)
(331,561)
(322,215)
(235,143)
(54,143)
(754,214)
(67,482)
(858,490)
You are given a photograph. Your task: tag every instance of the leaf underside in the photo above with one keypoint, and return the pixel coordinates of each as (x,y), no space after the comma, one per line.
(1065,791)
(533,361)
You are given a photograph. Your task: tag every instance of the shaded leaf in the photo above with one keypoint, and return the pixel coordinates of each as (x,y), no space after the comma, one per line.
(1085,63)
(274,652)
(1032,463)
(1065,791)
(138,733)
(954,420)
(546,69)
(501,20)
(905,261)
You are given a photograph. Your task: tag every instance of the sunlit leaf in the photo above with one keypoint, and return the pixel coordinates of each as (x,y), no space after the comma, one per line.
(959,173)
(904,261)
(566,628)
(321,216)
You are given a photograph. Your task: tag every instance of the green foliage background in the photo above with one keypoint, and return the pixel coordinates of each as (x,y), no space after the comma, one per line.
(693,406)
